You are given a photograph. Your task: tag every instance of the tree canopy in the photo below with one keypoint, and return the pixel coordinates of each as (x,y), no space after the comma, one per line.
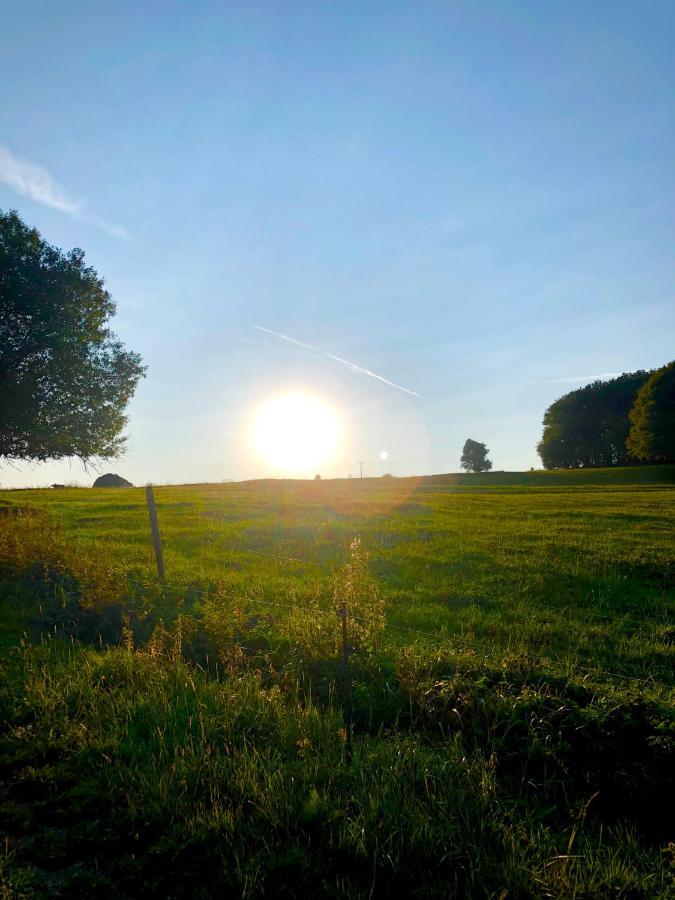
(652,432)
(65,379)
(474,457)
(589,426)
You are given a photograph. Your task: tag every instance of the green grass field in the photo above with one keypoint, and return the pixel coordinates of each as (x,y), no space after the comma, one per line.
(578,563)
(511,688)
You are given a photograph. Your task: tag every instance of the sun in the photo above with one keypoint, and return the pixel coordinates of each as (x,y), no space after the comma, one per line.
(296,433)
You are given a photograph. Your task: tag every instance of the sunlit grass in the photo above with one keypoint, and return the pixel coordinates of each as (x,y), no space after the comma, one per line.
(572,564)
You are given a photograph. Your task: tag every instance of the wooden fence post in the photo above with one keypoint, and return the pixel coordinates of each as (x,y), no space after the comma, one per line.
(154,527)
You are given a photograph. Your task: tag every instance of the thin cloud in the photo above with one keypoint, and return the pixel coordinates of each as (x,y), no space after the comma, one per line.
(34,181)
(116,231)
(345,362)
(576,378)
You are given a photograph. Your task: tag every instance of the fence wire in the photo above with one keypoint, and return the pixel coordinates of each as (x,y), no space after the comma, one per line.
(395,582)
(458,642)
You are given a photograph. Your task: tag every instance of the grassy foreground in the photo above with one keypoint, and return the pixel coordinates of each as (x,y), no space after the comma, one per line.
(511,689)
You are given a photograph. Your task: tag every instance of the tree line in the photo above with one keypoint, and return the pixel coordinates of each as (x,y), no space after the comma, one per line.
(624,421)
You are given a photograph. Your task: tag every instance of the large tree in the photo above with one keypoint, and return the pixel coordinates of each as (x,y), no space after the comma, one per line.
(652,433)
(65,379)
(589,426)
(474,457)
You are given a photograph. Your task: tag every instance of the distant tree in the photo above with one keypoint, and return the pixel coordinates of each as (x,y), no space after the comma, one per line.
(652,432)
(317,477)
(589,426)
(65,379)
(474,457)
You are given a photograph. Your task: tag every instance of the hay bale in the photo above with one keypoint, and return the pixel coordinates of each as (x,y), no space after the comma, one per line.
(111,480)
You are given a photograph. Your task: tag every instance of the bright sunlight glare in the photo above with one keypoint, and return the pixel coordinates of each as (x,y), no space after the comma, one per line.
(296,433)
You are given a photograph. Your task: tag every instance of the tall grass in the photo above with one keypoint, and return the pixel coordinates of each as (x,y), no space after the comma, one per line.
(164,781)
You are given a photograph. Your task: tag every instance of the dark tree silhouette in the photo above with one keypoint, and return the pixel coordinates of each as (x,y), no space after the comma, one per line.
(652,433)
(589,426)
(474,457)
(65,379)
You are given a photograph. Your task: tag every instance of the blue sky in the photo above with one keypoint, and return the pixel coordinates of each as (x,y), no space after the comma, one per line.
(474,200)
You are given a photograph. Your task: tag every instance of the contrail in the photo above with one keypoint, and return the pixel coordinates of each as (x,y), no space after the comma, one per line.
(34,181)
(345,362)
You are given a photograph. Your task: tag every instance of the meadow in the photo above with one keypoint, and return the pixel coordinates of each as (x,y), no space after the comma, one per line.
(509,683)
